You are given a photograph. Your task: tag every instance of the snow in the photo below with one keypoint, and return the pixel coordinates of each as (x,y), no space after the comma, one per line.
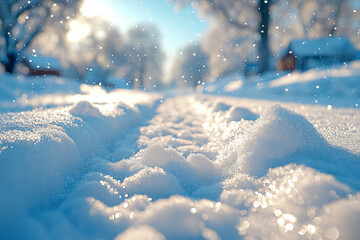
(118,82)
(79,162)
(140,232)
(276,134)
(43,62)
(336,86)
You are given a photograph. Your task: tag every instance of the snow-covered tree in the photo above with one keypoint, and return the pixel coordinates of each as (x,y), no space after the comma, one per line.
(245,15)
(228,49)
(311,19)
(85,44)
(100,44)
(270,25)
(95,47)
(348,22)
(191,67)
(21,21)
(145,56)
(106,55)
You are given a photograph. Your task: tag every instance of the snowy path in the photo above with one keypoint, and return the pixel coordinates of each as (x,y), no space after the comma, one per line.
(191,167)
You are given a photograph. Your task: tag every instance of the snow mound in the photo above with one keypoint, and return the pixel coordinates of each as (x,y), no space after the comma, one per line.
(85,109)
(153,182)
(194,219)
(294,201)
(161,172)
(100,186)
(277,133)
(157,155)
(34,148)
(140,232)
(207,170)
(341,219)
(176,217)
(280,137)
(221,106)
(238,113)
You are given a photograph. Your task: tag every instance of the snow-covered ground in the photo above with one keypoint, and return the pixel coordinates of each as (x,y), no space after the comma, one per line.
(79,162)
(337,86)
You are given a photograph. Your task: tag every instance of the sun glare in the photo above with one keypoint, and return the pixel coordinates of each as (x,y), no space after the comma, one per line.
(78,31)
(91,8)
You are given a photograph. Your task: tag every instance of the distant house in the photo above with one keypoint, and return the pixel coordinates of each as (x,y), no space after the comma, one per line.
(303,54)
(38,65)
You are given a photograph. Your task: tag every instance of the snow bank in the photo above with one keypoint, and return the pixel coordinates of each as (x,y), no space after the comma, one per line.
(336,85)
(339,82)
(34,149)
(44,153)
(16,91)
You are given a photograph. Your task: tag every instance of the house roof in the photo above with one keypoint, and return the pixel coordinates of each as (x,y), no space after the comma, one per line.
(43,62)
(329,46)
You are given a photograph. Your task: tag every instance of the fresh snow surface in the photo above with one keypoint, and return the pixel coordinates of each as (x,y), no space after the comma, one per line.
(337,86)
(84,163)
(43,62)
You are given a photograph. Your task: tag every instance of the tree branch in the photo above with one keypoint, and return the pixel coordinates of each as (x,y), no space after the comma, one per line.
(226,15)
(336,17)
(30,38)
(25,7)
(3,61)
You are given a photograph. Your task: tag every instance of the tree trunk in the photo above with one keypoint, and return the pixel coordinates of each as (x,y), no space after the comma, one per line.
(10,65)
(264,51)
(337,15)
(142,72)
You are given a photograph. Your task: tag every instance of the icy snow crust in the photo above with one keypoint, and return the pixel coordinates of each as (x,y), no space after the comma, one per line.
(132,165)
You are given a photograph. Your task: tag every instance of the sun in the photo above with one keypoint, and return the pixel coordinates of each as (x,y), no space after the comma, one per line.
(79,28)
(91,8)
(78,31)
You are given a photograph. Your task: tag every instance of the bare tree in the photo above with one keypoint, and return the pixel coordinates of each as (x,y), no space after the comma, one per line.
(21,21)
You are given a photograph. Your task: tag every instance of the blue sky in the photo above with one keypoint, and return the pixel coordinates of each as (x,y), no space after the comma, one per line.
(177,28)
